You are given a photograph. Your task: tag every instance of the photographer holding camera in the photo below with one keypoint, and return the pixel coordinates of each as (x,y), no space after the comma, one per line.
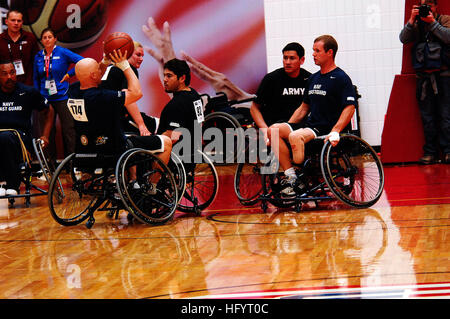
(430,33)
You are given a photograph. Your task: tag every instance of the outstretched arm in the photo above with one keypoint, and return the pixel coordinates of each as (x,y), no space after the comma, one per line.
(217,80)
(135,114)
(164,52)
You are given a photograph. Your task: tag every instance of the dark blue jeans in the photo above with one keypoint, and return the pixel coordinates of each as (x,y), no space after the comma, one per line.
(435,113)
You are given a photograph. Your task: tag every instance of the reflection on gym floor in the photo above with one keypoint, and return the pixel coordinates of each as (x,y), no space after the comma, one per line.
(397,248)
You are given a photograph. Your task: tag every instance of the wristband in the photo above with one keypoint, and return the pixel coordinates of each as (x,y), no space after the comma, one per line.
(333,137)
(123,65)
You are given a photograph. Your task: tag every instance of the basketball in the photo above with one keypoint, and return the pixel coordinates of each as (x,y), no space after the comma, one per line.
(118,41)
(76,23)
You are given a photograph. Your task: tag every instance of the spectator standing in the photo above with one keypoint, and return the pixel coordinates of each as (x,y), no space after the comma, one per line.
(50,75)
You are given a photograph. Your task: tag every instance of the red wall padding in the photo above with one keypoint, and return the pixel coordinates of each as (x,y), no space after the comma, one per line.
(402,137)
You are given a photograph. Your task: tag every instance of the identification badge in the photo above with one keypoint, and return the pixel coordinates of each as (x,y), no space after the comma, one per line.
(198,106)
(50,85)
(77,109)
(19,67)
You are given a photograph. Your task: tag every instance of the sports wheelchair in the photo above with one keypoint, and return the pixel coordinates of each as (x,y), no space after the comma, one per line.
(31,167)
(85,183)
(351,172)
(227,120)
(197,182)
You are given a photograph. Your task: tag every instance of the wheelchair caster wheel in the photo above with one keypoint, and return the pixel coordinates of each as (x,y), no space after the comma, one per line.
(198,212)
(90,222)
(298,207)
(11,202)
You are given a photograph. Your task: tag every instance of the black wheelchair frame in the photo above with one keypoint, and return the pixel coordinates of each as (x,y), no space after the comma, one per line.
(351,172)
(85,183)
(29,169)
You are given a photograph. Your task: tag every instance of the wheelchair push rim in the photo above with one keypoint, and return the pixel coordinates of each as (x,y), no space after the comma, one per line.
(148,208)
(353,171)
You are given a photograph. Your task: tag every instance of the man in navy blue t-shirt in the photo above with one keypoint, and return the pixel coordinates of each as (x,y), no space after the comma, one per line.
(97,112)
(17,102)
(327,108)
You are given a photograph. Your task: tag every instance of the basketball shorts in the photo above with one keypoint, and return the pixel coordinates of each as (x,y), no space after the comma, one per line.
(153,143)
(318,131)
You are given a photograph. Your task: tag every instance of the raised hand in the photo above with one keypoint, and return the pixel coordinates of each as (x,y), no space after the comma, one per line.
(161,41)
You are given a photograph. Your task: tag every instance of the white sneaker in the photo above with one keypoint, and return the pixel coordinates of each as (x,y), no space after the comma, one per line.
(11,192)
(2,191)
(288,186)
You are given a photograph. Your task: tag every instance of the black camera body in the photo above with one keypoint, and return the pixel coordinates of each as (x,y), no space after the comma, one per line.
(424,10)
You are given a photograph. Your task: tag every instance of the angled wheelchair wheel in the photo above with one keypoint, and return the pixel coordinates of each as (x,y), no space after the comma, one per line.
(231,132)
(202,185)
(248,182)
(177,168)
(72,192)
(353,171)
(153,200)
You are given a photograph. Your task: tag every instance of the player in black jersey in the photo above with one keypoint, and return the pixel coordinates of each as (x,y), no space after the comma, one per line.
(281,91)
(185,108)
(114,79)
(327,108)
(17,102)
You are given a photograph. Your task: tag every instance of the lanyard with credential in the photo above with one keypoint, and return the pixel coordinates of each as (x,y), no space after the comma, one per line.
(48,64)
(10,51)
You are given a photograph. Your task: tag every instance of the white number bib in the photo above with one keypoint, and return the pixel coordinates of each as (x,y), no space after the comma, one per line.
(76,108)
(198,106)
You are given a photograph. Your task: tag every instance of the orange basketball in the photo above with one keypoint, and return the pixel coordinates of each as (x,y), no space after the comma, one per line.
(118,41)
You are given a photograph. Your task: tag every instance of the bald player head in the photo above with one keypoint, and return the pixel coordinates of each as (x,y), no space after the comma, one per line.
(88,73)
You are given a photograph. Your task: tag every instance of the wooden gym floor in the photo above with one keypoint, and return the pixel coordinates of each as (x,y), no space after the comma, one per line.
(399,248)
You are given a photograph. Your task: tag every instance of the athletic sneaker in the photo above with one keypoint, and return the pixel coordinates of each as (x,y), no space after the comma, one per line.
(292,186)
(288,185)
(2,191)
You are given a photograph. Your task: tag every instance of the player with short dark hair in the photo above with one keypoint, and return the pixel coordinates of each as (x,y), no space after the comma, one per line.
(17,102)
(185,107)
(281,91)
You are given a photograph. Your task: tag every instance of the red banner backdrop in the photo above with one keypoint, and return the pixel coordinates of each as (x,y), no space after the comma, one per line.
(226,36)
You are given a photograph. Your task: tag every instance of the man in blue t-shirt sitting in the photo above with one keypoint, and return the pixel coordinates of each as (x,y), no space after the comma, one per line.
(327,108)
(17,102)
